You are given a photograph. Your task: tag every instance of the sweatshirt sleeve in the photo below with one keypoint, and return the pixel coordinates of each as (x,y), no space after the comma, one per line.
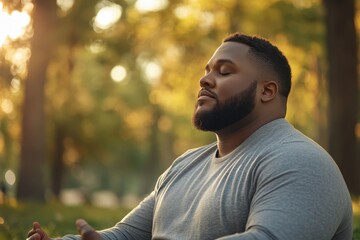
(300,194)
(135,225)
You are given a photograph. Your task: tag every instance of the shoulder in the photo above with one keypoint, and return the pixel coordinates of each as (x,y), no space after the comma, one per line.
(299,154)
(279,143)
(288,155)
(304,167)
(300,174)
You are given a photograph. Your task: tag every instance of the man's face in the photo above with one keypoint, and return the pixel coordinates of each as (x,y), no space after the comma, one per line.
(228,88)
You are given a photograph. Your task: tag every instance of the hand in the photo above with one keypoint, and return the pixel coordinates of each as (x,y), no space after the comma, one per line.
(37,233)
(86,231)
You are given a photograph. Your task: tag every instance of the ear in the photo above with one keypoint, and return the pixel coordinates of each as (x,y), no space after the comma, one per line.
(269,90)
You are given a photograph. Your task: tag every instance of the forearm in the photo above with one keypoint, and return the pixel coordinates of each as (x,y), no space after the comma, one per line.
(119,232)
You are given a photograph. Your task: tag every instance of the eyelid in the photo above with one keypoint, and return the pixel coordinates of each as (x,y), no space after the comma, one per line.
(225,73)
(225,70)
(218,68)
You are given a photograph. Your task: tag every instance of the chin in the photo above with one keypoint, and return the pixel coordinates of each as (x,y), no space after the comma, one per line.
(204,108)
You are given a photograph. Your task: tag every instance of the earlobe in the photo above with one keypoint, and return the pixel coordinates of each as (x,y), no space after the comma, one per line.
(269,91)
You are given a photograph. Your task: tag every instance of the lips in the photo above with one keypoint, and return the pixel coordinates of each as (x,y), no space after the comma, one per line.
(206,93)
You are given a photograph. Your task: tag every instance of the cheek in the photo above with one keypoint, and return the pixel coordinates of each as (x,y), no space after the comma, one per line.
(230,89)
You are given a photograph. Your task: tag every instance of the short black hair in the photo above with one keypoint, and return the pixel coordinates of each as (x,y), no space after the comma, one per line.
(268,55)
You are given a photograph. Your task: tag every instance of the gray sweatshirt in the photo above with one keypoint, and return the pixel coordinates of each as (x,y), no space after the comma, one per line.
(278,184)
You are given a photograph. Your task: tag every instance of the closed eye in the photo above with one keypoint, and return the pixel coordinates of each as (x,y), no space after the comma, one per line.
(224,73)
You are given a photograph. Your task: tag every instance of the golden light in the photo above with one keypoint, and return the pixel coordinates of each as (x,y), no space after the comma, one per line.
(65,5)
(356,207)
(107,15)
(12,25)
(118,73)
(151,68)
(144,6)
(15,85)
(97,46)
(153,71)
(10,177)
(7,106)
(357,130)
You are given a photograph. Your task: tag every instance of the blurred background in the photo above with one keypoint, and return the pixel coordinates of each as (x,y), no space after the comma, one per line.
(96,96)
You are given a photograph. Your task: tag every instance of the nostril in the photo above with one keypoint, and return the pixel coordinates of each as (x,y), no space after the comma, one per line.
(207,81)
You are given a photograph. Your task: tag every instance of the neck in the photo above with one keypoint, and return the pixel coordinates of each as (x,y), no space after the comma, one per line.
(232,136)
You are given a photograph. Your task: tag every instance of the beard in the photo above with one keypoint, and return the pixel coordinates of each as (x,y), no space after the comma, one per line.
(230,111)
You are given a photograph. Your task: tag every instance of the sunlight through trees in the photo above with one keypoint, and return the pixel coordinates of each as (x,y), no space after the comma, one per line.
(120,79)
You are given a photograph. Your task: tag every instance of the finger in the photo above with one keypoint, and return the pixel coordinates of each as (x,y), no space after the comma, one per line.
(86,231)
(83,227)
(35,236)
(36,225)
(32,231)
(42,234)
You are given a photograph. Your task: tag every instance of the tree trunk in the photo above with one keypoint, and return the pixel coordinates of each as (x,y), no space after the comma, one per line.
(58,165)
(31,172)
(343,88)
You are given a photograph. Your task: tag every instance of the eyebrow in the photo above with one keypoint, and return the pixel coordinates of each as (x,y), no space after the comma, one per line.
(220,61)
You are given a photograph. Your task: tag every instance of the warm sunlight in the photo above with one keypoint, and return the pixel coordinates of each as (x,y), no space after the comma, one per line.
(118,73)
(150,5)
(12,25)
(107,15)
(152,70)
(65,5)
(7,106)
(10,177)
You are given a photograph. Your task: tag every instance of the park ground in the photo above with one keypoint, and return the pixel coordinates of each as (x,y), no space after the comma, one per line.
(57,219)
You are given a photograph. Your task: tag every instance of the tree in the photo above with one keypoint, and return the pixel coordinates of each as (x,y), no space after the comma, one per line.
(31,185)
(343,88)
(139,125)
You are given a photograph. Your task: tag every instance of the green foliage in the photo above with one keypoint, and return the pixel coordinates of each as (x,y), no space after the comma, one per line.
(134,129)
(56,219)
(356,227)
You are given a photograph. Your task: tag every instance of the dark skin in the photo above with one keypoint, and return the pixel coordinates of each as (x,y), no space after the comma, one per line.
(232,66)
(229,71)
(84,229)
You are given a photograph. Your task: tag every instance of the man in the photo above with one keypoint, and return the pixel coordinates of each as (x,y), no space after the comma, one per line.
(262,179)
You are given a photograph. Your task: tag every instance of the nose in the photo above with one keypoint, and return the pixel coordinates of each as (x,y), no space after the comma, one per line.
(207,81)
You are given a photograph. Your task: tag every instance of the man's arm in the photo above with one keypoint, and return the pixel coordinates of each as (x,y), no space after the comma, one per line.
(299,195)
(136,225)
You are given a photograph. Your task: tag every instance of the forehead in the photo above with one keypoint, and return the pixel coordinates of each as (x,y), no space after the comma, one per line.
(232,51)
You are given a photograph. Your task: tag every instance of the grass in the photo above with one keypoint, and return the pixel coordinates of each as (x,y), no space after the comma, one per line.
(356,209)
(58,220)
(16,218)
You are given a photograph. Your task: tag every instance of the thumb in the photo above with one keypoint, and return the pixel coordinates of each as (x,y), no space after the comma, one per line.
(86,231)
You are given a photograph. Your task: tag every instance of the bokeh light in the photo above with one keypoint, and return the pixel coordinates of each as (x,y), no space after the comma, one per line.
(7,106)
(12,25)
(153,72)
(107,16)
(10,177)
(150,5)
(65,5)
(118,73)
